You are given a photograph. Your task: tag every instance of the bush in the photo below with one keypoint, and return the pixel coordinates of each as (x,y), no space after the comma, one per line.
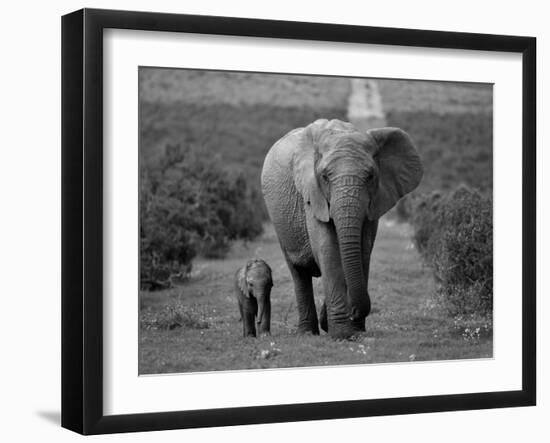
(189,205)
(454,234)
(166,244)
(424,212)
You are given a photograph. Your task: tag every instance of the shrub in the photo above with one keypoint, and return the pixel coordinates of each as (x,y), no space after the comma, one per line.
(454,234)
(189,205)
(423,212)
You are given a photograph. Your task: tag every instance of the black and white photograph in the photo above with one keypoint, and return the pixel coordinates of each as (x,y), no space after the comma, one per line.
(293,220)
(275,222)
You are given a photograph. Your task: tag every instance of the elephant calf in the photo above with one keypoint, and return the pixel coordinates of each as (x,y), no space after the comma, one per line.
(253,285)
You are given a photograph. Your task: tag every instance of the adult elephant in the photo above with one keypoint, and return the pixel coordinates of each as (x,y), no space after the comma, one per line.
(325,187)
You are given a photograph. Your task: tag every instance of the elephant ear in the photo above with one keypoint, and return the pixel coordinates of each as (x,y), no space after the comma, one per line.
(241,281)
(305,178)
(400,169)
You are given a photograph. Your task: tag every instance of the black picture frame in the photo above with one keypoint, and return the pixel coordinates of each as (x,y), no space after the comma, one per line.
(82,220)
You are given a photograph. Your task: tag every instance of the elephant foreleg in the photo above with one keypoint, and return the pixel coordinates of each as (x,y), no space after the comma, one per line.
(307,314)
(335,313)
(323,322)
(248,312)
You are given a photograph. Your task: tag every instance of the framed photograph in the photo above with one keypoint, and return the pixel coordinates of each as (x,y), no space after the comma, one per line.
(269,221)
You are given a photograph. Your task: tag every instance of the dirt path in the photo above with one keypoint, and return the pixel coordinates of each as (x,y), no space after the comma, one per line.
(365,109)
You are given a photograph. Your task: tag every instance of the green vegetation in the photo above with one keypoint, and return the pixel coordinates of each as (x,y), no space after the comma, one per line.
(454,234)
(189,204)
(451,211)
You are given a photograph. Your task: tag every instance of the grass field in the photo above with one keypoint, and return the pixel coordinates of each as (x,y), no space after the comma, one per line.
(452,128)
(437,97)
(167,86)
(237,116)
(406,323)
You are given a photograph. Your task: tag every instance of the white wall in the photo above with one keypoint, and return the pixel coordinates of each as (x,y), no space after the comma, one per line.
(30,221)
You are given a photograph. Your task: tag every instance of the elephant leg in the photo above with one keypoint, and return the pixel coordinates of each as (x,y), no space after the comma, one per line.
(244,326)
(307,314)
(249,329)
(323,322)
(335,315)
(250,309)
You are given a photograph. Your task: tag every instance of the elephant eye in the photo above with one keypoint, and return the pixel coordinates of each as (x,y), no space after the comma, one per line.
(324,176)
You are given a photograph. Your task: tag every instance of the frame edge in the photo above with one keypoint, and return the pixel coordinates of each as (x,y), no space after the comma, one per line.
(81,310)
(72,118)
(529,272)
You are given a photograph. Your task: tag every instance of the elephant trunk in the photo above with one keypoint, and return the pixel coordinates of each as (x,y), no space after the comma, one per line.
(349,215)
